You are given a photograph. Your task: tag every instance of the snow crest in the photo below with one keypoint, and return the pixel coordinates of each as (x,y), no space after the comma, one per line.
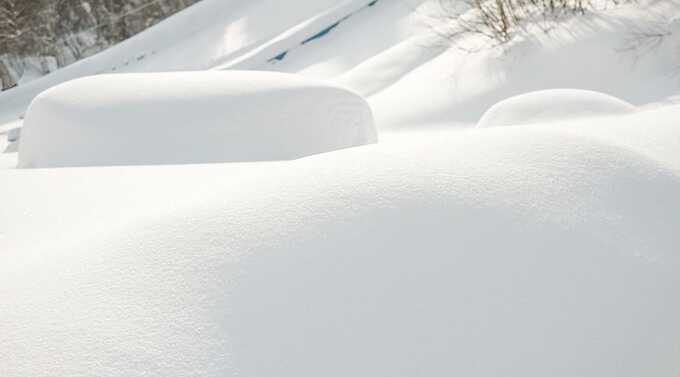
(545,106)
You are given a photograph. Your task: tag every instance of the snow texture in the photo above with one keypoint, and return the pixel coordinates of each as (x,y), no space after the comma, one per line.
(444,250)
(310,30)
(180,118)
(551,106)
(208,34)
(511,251)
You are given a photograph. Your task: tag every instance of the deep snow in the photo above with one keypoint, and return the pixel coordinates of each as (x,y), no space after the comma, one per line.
(545,106)
(512,250)
(191,117)
(208,34)
(386,53)
(544,249)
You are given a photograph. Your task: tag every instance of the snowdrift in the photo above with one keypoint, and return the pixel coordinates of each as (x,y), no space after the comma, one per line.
(456,87)
(198,117)
(515,251)
(545,106)
(527,251)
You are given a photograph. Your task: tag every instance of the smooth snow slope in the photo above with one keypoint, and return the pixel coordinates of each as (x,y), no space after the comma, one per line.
(387,53)
(517,251)
(414,83)
(202,36)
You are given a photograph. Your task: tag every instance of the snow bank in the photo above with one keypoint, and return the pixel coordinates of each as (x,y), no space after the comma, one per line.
(177,118)
(514,251)
(458,87)
(553,105)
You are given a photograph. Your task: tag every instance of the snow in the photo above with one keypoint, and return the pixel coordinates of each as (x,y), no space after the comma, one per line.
(456,87)
(199,117)
(519,250)
(312,29)
(547,106)
(9,134)
(384,52)
(547,248)
(207,34)
(13,134)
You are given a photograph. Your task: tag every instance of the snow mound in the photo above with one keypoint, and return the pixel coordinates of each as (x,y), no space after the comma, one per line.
(178,118)
(515,251)
(553,105)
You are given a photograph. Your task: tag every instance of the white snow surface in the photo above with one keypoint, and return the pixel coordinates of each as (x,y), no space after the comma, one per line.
(444,249)
(208,34)
(196,117)
(386,53)
(511,250)
(547,106)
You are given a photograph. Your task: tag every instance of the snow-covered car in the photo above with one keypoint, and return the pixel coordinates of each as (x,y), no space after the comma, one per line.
(191,117)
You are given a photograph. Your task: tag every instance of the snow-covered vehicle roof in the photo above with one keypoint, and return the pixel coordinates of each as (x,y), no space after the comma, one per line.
(191,117)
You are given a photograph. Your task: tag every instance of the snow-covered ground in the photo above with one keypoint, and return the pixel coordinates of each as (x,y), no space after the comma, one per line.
(549,248)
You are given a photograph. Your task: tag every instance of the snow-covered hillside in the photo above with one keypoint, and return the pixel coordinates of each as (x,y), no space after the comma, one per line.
(385,50)
(208,34)
(455,245)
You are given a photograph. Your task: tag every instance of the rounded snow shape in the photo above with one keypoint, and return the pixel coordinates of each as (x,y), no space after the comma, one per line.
(553,105)
(190,117)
